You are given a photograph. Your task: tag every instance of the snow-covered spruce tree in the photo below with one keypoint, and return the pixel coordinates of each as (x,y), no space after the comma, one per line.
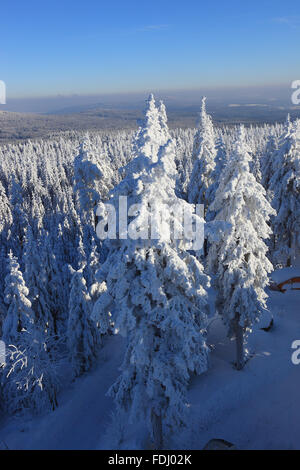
(89,264)
(285,185)
(163,120)
(288,124)
(239,260)
(3,272)
(268,163)
(184,146)
(20,219)
(255,166)
(55,290)
(82,335)
(30,378)
(36,281)
(108,176)
(92,264)
(145,147)
(86,174)
(221,156)
(62,250)
(151,134)
(5,210)
(204,154)
(19,314)
(81,255)
(158,292)
(220,161)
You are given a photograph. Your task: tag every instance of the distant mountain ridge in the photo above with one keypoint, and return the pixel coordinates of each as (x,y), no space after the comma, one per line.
(109,116)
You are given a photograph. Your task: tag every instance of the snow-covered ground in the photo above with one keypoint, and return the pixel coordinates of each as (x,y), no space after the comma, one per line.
(285,274)
(256,408)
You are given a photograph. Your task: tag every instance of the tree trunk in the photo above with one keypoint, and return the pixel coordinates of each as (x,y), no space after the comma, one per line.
(296,250)
(239,346)
(289,260)
(157,431)
(205,248)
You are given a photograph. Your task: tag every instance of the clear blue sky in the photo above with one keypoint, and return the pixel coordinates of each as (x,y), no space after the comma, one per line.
(65,47)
